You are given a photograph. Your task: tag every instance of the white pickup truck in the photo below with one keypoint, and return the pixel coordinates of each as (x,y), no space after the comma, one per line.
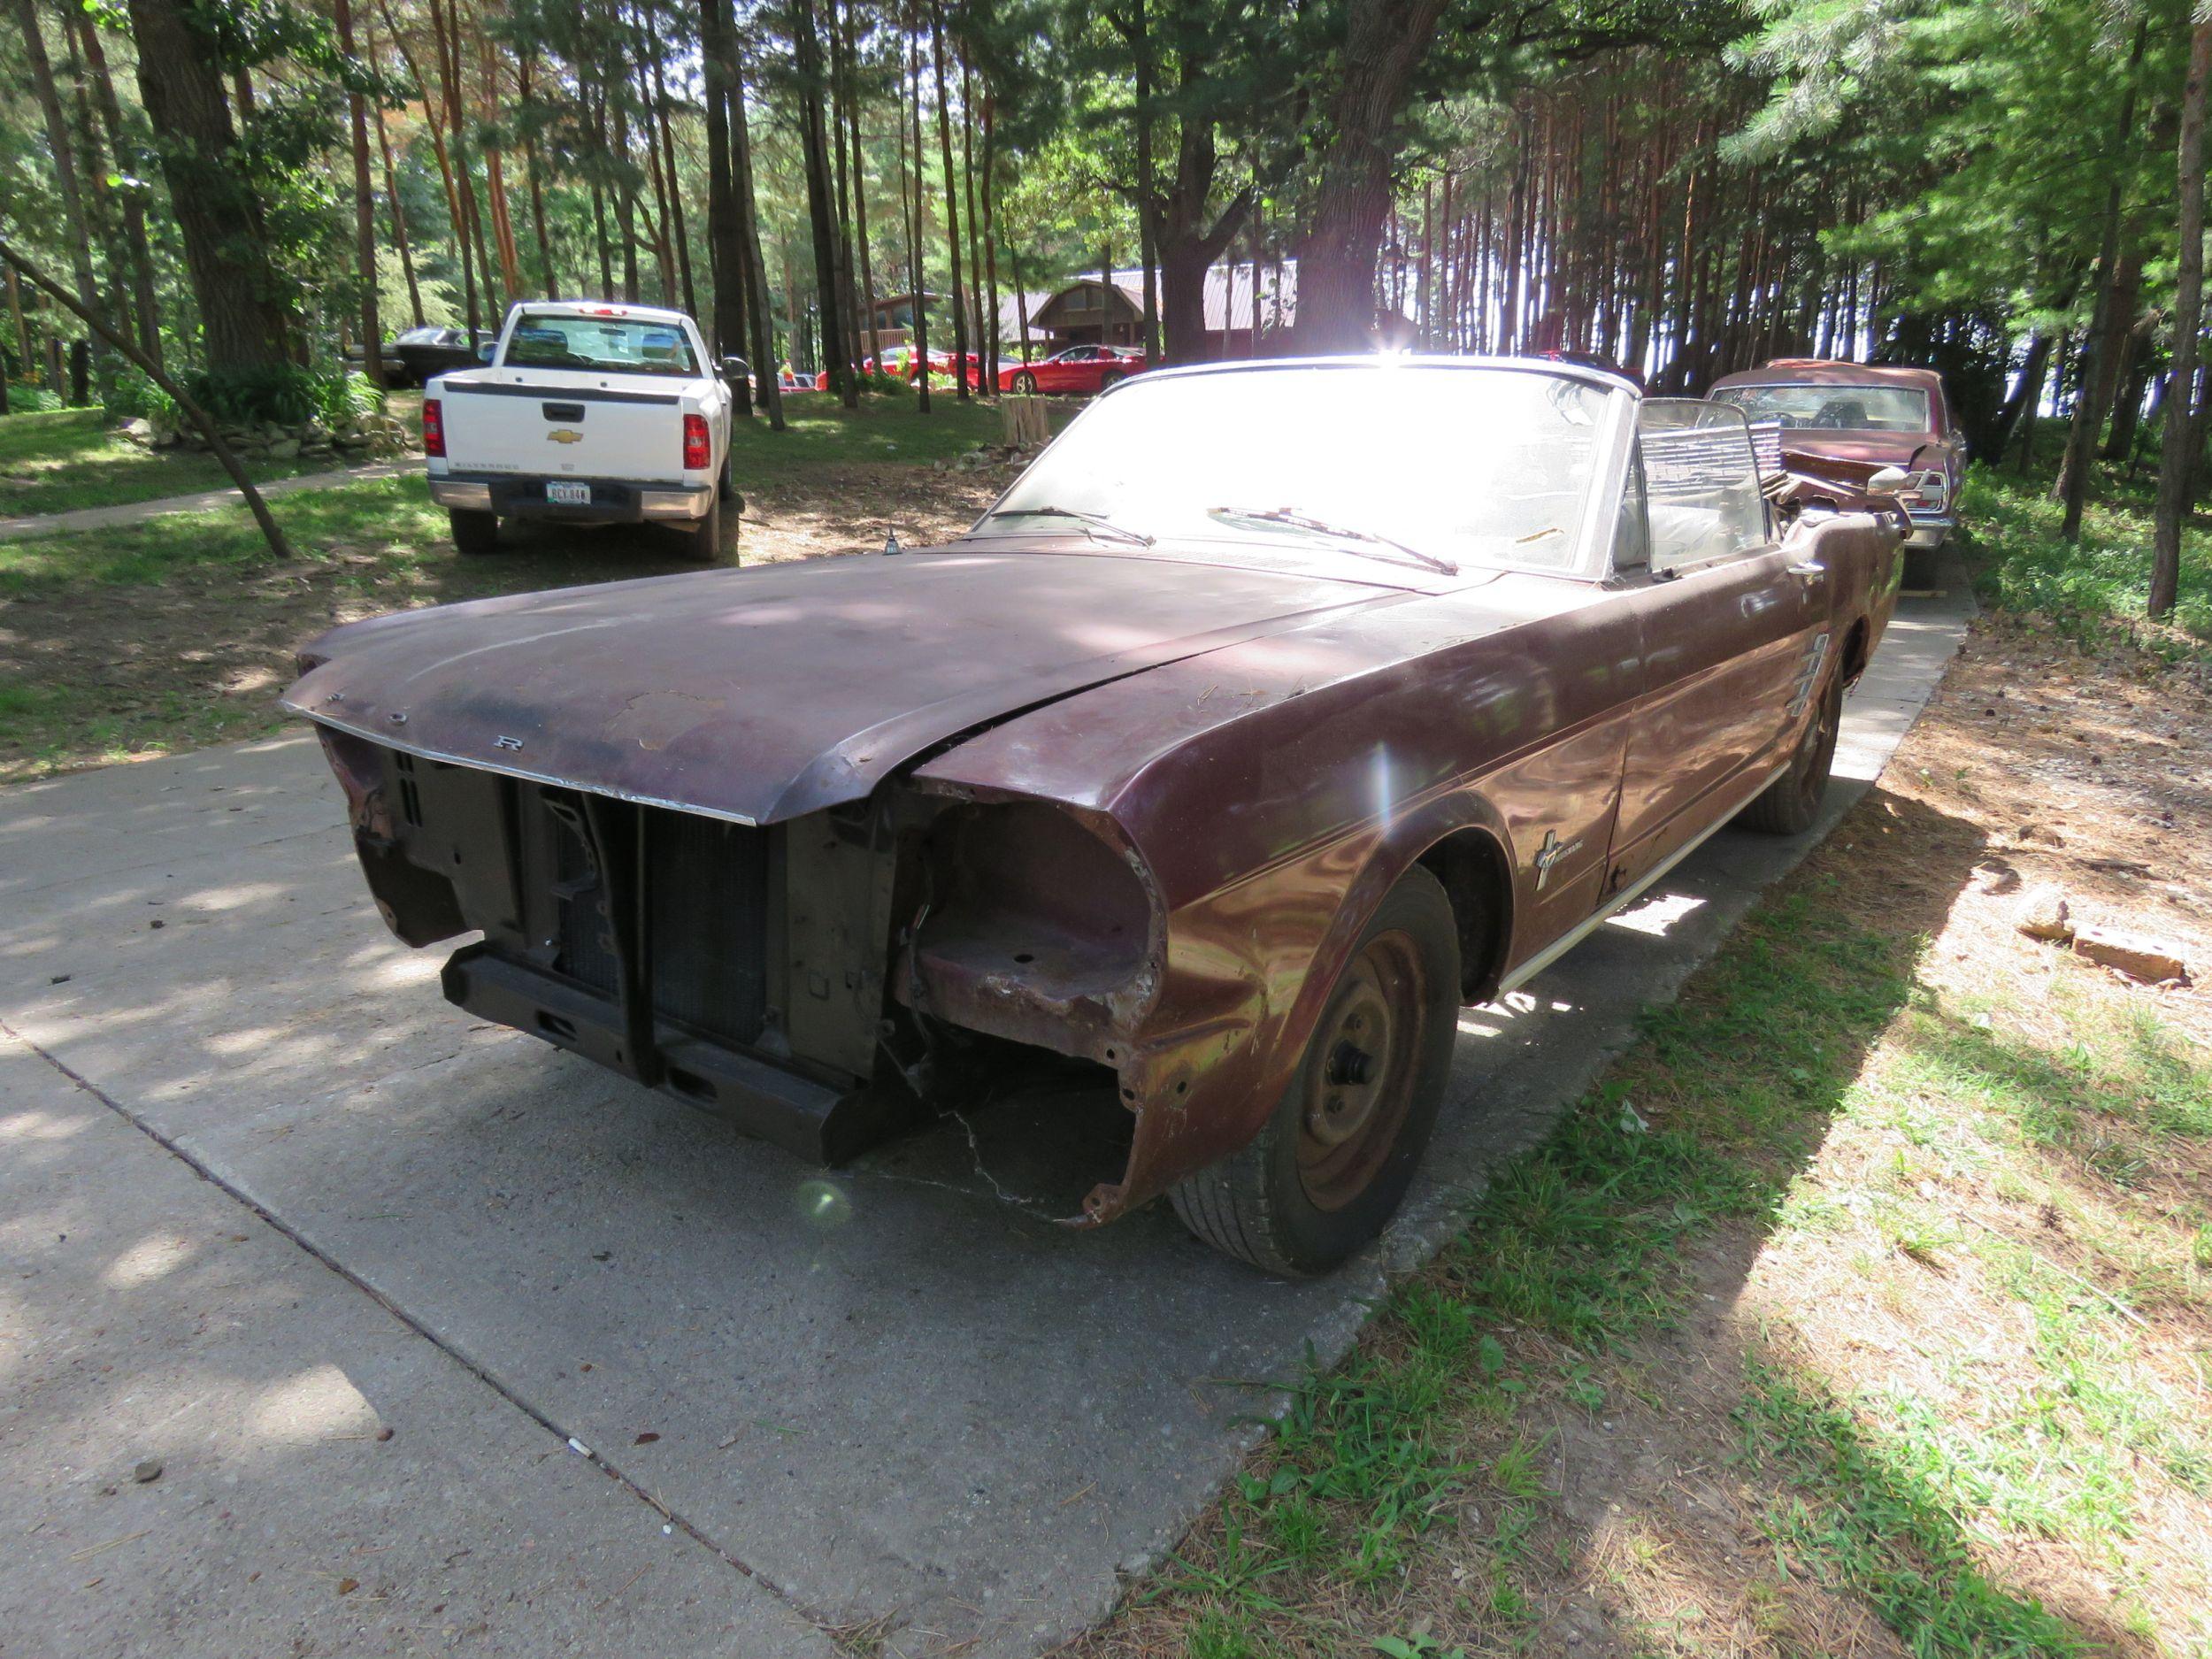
(585,413)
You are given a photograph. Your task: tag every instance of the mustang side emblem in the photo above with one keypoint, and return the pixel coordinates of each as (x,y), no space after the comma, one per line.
(1809,675)
(565,434)
(1549,854)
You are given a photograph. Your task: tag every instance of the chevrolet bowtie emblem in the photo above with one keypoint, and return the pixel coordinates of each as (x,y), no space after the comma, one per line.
(565,434)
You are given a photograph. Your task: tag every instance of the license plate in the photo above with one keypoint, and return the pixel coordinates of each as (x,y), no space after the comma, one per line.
(569,494)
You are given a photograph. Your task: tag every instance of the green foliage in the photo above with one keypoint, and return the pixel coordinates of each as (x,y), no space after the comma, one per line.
(2083,589)
(284,393)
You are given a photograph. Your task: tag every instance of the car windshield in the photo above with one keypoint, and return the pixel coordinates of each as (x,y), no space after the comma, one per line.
(630,345)
(1413,463)
(1833,408)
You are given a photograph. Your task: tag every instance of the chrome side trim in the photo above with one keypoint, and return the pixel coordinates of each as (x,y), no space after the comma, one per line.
(1620,901)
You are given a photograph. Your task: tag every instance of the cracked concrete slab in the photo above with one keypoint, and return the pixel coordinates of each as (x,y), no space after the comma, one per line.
(891,1394)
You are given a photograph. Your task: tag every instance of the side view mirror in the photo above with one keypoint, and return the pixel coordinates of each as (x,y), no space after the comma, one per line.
(484,352)
(735,368)
(1888,481)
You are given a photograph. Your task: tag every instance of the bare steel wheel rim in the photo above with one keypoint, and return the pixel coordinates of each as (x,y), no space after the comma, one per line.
(1359,1085)
(1812,760)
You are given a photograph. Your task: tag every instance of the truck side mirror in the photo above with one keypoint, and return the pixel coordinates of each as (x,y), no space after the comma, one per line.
(735,369)
(484,352)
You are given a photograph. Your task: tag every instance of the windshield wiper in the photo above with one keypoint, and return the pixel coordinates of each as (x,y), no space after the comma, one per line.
(1321,527)
(1092,520)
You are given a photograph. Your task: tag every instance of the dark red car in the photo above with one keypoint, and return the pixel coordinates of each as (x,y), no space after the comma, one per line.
(1850,420)
(1230,753)
(1077,369)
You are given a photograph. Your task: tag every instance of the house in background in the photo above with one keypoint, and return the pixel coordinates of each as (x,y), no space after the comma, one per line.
(1108,309)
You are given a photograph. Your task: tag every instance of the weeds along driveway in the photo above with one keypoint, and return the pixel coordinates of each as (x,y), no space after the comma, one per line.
(892,1400)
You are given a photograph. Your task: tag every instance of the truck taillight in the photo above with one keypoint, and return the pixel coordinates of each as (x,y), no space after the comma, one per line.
(433,428)
(698,449)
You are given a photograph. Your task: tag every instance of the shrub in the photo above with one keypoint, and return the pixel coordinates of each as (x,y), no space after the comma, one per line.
(283,394)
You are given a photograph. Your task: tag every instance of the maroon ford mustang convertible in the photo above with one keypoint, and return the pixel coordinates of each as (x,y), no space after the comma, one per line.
(1277,711)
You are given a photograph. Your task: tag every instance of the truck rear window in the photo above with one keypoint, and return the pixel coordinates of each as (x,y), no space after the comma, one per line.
(625,345)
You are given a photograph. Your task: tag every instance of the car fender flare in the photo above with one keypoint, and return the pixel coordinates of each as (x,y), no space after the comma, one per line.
(1238,1100)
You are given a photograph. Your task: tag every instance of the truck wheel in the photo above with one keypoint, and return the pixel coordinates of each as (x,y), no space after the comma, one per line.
(1332,1163)
(702,542)
(725,488)
(1792,802)
(473,532)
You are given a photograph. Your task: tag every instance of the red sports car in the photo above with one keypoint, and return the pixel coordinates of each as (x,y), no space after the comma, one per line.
(1078,369)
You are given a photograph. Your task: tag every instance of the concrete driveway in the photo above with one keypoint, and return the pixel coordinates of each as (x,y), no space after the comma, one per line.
(649,1389)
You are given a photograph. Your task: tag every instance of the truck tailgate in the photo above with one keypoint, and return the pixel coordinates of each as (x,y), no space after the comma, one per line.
(585,426)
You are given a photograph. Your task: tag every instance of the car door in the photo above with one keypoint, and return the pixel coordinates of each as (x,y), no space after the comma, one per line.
(1734,631)
(1063,369)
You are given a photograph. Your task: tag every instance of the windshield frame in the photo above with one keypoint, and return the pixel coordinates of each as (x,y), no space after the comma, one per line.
(1592,555)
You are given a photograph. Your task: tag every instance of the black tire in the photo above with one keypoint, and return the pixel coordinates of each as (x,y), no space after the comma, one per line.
(1792,802)
(1321,1179)
(1110,378)
(473,532)
(702,542)
(725,488)
(1026,383)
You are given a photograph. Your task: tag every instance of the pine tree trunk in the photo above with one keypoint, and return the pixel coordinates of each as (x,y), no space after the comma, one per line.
(820,189)
(180,85)
(2177,452)
(363,208)
(952,207)
(144,302)
(915,264)
(763,352)
(64,150)
(2100,346)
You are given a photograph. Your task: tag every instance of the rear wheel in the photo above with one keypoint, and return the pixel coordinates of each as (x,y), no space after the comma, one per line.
(1026,383)
(473,532)
(1111,379)
(1792,802)
(1333,1162)
(702,542)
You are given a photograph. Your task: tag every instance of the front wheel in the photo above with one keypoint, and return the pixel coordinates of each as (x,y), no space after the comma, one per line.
(1792,802)
(1026,383)
(473,532)
(1333,1161)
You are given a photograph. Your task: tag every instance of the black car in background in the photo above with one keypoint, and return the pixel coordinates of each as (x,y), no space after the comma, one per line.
(419,353)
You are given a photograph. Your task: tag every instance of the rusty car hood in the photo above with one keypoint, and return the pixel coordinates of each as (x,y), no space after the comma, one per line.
(761,694)
(1852,457)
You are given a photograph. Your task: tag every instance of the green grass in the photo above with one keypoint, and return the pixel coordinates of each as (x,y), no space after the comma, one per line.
(2024,565)
(1587,1246)
(819,433)
(67,458)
